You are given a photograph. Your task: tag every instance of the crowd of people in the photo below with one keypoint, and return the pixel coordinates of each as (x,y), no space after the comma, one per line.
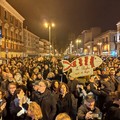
(37,89)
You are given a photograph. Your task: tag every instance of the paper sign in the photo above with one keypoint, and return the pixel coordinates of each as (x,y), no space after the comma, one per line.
(82,66)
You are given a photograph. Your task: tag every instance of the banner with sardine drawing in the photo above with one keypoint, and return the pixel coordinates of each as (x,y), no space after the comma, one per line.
(82,66)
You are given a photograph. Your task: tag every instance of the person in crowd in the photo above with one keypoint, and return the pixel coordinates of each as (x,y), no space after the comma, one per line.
(1,77)
(113,77)
(32,71)
(10,95)
(95,89)
(64,103)
(35,88)
(34,111)
(113,108)
(39,76)
(62,116)
(55,89)
(19,105)
(88,110)
(72,84)
(45,71)
(50,76)
(46,100)
(18,78)
(107,85)
(57,75)
(3,112)
(7,76)
(80,94)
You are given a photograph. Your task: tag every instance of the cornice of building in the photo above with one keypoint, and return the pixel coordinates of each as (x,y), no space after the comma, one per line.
(29,32)
(10,9)
(106,32)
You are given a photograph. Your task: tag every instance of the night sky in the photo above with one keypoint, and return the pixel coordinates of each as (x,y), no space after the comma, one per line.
(70,16)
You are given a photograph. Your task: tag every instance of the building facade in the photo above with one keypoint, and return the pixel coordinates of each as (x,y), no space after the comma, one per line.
(118,38)
(47,48)
(88,37)
(31,43)
(105,43)
(11,27)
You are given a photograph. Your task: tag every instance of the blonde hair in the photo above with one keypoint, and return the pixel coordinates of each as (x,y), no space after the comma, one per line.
(36,110)
(50,75)
(63,116)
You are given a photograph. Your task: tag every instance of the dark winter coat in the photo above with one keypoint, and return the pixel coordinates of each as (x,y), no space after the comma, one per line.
(47,104)
(113,113)
(83,110)
(64,104)
(15,108)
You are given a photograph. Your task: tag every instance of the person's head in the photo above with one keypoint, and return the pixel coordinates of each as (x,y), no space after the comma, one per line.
(63,116)
(7,69)
(89,101)
(63,88)
(12,87)
(36,70)
(39,76)
(42,86)
(19,93)
(46,67)
(107,68)
(55,85)
(34,76)
(98,72)
(92,78)
(36,85)
(112,72)
(103,71)
(56,71)
(105,77)
(34,111)
(50,75)
(118,73)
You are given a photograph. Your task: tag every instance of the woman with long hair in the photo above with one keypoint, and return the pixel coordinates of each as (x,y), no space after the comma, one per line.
(64,103)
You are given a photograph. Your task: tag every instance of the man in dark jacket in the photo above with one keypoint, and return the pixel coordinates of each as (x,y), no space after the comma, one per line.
(46,101)
(88,110)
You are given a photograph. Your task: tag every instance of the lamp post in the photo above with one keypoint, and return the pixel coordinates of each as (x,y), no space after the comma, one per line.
(77,42)
(49,26)
(99,44)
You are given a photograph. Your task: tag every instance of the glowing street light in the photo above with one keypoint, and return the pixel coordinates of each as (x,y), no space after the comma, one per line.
(49,26)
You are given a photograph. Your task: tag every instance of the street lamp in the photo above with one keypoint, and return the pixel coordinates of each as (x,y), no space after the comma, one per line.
(49,26)
(99,44)
(77,42)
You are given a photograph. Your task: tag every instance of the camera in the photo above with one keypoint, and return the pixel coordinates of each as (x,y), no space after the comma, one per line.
(98,116)
(95,115)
